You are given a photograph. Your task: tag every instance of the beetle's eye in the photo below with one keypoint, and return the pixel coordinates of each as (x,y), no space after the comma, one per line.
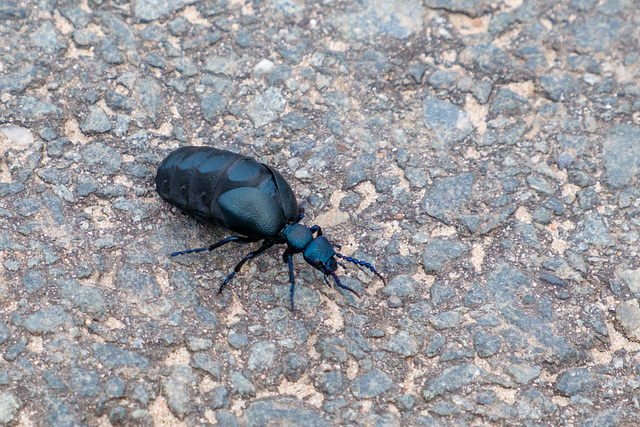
(316,263)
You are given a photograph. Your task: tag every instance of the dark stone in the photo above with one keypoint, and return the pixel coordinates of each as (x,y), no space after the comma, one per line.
(266,107)
(226,418)
(103,159)
(441,293)
(53,381)
(332,349)
(449,123)
(486,345)
(238,341)
(560,86)
(242,386)
(46,320)
(87,299)
(442,79)
(27,207)
(108,50)
(593,231)
(281,411)
(449,354)
(574,381)
(448,196)
(207,317)
(138,285)
(16,350)
(213,106)
(150,10)
(46,38)
(489,59)
(295,366)
(333,383)
(500,22)
(401,286)
(178,389)
(476,296)
(85,382)
(621,155)
(113,357)
(151,97)
(262,356)
(371,384)
(598,33)
(219,398)
(295,121)
(118,415)
(4,332)
(439,251)
(114,387)
(116,101)
(205,362)
(451,379)
(32,281)
(509,103)
(404,344)
(504,282)
(552,279)
(416,176)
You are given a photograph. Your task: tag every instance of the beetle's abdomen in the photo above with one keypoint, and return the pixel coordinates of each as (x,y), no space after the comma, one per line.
(214,184)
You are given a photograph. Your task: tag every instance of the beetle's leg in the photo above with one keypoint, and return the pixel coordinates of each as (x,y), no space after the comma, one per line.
(363,264)
(335,245)
(289,259)
(340,285)
(316,228)
(215,245)
(326,280)
(238,239)
(265,245)
(300,214)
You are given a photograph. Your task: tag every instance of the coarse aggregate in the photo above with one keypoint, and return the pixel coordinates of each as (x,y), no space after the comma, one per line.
(484,156)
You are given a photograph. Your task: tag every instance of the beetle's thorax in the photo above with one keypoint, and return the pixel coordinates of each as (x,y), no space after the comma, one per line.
(317,251)
(297,237)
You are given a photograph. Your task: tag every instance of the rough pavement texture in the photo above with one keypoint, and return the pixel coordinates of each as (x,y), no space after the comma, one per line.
(483,155)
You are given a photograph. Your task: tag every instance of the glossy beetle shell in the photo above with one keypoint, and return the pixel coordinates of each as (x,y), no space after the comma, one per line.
(228,189)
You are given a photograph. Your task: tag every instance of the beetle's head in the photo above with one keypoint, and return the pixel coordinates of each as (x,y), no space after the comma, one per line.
(319,253)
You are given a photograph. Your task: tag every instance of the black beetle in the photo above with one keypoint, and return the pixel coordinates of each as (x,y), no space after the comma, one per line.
(249,198)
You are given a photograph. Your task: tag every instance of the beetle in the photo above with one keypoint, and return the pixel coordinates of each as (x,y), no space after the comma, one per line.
(249,198)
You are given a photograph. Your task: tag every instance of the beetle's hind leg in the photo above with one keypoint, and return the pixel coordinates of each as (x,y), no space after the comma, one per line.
(265,245)
(222,242)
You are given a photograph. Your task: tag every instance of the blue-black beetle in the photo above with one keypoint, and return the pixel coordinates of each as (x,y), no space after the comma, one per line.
(249,198)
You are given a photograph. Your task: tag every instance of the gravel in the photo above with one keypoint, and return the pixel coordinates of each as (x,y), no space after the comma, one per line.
(493,185)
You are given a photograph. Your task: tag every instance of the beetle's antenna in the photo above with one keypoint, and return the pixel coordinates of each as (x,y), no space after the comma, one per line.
(363,264)
(340,285)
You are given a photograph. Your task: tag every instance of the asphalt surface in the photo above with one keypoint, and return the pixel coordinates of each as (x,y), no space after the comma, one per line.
(483,156)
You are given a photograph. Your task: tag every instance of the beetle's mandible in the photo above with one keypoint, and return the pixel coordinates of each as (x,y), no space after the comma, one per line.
(248,198)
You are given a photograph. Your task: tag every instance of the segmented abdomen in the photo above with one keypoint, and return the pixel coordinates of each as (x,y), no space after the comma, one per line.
(194,178)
